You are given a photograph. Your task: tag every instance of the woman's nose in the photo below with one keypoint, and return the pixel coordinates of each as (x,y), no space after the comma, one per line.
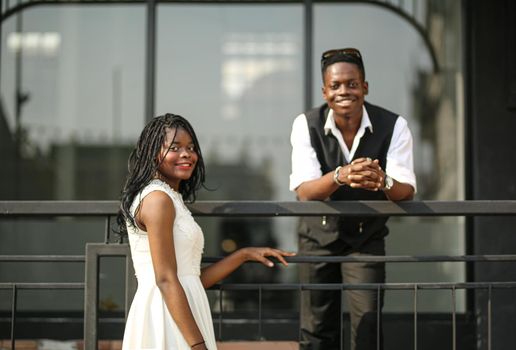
(184,153)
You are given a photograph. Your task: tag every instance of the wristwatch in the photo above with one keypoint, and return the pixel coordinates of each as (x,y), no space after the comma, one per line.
(336,176)
(388,182)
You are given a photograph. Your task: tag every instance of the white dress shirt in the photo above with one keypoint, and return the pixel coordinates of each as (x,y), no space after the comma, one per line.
(306,166)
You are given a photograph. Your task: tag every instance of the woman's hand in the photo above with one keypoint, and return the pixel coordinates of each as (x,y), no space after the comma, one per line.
(221,269)
(260,254)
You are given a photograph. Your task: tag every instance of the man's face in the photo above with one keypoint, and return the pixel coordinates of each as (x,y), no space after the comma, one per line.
(344,89)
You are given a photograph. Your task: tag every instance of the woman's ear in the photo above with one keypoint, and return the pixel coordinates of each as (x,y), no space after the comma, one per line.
(159,158)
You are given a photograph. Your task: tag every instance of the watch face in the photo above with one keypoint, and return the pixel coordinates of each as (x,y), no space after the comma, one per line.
(388,182)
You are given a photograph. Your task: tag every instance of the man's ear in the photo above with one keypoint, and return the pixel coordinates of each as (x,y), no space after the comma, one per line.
(323,91)
(366,87)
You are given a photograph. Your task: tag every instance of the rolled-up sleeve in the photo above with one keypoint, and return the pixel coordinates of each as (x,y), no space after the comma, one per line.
(305,165)
(400,159)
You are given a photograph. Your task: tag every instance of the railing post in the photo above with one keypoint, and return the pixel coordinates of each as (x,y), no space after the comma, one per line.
(91,288)
(13,316)
(415,316)
(341,318)
(130,282)
(220,311)
(454,320)
(91,292)
(489,317)
(378,317)
(260,330)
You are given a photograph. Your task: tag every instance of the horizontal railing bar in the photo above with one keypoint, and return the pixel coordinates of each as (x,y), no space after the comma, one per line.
(403,258)
(58,208)
(297,259)
(42,258)
(295,286)
(42,285)
(250,320)
(391,258)
(272,208)
(364,286)
(354,208)
(229,318)
(47,319)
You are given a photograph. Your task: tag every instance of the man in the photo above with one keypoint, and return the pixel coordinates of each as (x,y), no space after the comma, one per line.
(346,149)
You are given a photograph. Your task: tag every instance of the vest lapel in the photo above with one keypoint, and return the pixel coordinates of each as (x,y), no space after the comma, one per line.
(334,156)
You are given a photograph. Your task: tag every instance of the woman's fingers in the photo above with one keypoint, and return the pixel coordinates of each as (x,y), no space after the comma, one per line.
(278,254)
(261,254)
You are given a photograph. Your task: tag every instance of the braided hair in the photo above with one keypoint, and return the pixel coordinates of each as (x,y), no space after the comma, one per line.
(144,162)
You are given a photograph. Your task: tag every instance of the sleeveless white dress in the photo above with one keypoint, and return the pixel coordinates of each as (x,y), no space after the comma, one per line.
(149,323)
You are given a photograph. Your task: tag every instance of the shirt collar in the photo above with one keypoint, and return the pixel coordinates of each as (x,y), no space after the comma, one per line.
(364,123)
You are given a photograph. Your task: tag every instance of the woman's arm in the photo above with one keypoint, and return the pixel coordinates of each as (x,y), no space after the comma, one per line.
(220,270)
(156,216)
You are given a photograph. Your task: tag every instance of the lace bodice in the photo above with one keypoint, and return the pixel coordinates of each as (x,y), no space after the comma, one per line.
(188,237)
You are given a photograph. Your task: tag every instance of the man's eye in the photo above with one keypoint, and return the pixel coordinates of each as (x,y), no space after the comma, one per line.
(353,84)
(335,86)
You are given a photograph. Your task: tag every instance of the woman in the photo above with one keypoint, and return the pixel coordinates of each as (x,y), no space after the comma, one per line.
(170,309)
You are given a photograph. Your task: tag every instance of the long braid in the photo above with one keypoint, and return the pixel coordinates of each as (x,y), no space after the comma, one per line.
(144,161)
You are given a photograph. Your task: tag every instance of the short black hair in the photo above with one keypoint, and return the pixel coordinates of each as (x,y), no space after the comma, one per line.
(349,55)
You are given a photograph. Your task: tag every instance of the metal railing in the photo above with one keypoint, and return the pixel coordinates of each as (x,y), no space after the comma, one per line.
(107,209)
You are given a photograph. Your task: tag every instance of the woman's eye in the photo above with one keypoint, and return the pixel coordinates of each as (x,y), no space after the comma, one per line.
(174,148)
(191,148)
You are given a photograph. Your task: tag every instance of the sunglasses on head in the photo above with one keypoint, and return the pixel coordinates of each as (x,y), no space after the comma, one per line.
(349,51)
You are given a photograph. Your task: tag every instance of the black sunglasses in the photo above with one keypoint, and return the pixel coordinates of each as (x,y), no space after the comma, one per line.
(349,51)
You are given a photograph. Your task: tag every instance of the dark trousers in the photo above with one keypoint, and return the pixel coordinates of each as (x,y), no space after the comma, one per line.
(321,317)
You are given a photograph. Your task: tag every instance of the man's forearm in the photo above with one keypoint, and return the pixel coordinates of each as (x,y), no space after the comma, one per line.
(318,189)
(400,191)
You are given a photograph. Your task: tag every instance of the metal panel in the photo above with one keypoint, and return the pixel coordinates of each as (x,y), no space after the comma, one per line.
(91,290)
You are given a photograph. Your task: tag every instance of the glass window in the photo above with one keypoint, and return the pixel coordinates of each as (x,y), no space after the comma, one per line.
(238,79)
(79,72)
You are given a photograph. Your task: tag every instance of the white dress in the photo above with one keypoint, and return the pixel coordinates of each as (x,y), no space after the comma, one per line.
(149,323)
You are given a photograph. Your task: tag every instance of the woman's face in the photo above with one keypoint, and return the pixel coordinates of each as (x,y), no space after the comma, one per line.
(178,157)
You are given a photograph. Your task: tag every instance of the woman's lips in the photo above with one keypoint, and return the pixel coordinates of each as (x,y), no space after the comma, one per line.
(184,165)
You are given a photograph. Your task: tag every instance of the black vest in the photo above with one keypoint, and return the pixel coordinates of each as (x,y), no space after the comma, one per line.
(353,231)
